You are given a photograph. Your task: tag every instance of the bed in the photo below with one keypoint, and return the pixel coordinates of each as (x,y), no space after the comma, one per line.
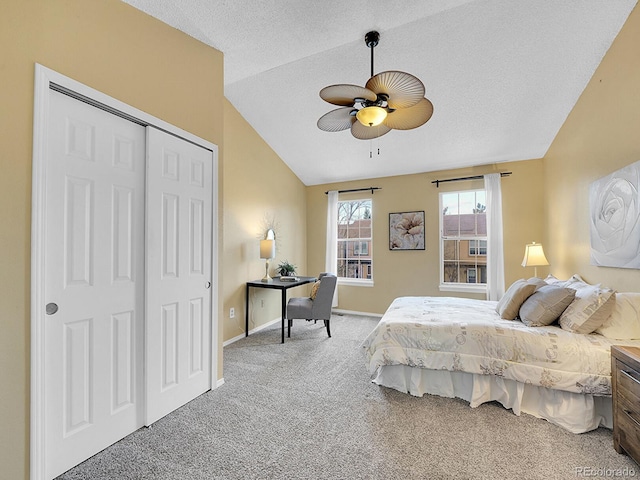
(459,347)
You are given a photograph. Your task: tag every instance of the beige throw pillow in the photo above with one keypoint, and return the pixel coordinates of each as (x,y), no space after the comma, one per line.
(590,309)
(510,302)
(546,305)
(314,290)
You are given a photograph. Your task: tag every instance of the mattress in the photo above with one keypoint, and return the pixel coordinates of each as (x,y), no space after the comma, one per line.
(467,335)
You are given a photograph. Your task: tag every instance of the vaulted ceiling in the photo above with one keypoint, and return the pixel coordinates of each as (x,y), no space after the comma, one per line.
(503,75)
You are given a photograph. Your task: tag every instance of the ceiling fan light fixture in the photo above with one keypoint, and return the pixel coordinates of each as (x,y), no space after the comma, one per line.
(371,116)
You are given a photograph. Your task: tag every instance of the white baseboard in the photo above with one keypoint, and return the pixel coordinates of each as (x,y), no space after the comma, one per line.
(340,311)
(219,382)
(337,311)
(257,329)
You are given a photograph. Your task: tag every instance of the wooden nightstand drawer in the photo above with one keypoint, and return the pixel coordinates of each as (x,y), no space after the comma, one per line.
(625,383)
(628,427)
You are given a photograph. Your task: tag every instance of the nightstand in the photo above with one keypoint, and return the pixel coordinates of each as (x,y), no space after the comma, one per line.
(625,379)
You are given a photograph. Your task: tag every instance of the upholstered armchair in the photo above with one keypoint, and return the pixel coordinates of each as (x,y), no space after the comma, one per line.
(315,307)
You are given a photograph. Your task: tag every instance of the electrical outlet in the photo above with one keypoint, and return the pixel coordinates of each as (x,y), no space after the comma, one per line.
(262,303)
(232,312)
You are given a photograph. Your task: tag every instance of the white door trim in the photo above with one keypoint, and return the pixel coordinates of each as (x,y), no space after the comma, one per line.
(45,79)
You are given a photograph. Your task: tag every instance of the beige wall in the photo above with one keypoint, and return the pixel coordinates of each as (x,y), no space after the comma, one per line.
(600,136)
(259,189)
(544,201)
(122,52)
(399,273)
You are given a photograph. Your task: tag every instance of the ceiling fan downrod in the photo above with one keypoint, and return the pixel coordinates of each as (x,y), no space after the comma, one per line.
(371,40)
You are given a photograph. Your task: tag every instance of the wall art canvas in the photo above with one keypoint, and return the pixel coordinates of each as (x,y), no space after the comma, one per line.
(406,231)
(614,208)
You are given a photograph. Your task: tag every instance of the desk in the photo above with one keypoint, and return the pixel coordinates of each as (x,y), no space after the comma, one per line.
(275,284)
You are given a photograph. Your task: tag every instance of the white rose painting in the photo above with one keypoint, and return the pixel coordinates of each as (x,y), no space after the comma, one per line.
(406,231)
(614,206)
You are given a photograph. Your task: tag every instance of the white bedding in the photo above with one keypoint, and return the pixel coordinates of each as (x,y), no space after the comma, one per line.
(466,335)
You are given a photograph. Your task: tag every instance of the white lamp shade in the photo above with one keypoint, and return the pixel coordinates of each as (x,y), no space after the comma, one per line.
(534,256)
(371,116)
(267,248)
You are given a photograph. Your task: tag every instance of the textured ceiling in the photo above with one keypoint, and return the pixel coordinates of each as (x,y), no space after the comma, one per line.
(503,75)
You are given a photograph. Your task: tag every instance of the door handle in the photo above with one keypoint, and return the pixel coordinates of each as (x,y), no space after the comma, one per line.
(51,308)
(207,285)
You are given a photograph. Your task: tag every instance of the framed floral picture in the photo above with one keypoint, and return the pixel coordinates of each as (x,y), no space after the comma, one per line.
(614,208)
(406,231)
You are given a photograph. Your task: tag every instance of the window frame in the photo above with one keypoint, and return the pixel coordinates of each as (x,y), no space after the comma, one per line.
(367,268)
(459,286)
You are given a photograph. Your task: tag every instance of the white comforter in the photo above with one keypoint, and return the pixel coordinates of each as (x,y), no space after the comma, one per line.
(459,334)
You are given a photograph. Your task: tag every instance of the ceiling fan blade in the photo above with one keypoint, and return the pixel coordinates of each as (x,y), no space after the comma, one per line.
(412,117)
(345,94)
(403,89)
(336,120)
(367,133)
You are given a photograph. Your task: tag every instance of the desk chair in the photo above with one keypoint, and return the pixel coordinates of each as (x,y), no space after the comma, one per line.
(317,306)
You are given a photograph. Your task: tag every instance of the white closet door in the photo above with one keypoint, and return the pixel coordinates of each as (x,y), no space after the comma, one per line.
(179,248)
(94,276)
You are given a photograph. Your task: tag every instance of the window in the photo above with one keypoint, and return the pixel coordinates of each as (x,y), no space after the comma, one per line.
(463,241)
(355,240)
(471,275)
(361,248)
(478,247)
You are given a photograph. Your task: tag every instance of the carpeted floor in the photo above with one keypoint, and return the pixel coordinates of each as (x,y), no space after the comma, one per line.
(308,410)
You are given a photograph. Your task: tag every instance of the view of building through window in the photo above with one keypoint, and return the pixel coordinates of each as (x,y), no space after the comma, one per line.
(354,239)
(463,243)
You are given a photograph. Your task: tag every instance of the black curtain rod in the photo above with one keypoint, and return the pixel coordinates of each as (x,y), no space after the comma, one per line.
(475,177)
(358,190)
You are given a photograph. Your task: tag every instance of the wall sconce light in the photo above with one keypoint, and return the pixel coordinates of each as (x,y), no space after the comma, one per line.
(534,257)
(267,251)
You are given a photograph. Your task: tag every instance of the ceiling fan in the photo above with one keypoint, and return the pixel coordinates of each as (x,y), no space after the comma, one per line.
(390,100)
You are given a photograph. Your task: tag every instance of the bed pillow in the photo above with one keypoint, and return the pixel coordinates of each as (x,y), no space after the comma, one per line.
(515,295)
(546,305)
(551,279)
(624,321)
(575,279)
(590,309)
(538,282)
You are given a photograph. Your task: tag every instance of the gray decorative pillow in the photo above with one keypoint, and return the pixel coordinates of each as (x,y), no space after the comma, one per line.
(546,305)
(516,294)
(590,309)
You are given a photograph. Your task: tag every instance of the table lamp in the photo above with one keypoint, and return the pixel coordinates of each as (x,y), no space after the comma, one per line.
(534,257)
(267,251)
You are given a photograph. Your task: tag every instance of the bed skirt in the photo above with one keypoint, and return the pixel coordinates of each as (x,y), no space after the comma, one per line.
(575,412)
